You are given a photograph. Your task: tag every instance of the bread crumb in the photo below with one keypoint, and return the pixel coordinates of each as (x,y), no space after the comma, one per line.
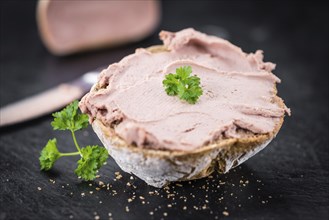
(97,217)
(101,183)
(151,213)
(118,177)
(127,209)
(39,188)
(170,195)
(165,214)
(226,213)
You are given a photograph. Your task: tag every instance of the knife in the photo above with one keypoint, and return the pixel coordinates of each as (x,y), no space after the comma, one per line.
(47,101)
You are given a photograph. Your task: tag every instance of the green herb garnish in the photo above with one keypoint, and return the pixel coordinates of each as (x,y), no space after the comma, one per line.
(92,157)
(183,85)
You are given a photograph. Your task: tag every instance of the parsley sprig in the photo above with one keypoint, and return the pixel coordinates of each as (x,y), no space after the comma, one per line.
(183,85)
(91,157)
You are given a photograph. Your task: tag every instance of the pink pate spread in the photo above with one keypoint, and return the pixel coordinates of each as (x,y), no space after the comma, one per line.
(238,94)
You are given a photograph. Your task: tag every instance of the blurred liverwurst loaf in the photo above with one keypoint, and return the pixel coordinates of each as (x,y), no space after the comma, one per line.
(72,26)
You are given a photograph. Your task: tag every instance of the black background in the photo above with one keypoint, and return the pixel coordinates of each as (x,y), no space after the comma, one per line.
(287,180)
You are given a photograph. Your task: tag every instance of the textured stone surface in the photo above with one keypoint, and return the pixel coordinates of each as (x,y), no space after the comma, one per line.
(287,180)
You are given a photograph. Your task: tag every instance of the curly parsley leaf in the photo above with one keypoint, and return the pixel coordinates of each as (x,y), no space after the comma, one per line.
(69,118)
(183,85)
(93,157)
(49,155)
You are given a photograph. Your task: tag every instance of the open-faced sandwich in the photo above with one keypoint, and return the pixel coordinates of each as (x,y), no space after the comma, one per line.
(150,132)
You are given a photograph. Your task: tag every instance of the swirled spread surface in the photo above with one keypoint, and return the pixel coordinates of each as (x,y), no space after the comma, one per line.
(239,93)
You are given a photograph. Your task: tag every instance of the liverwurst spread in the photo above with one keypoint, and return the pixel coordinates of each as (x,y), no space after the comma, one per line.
(239,92)
(72,26)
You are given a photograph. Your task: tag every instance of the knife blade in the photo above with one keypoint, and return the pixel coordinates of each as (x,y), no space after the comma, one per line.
(47,101)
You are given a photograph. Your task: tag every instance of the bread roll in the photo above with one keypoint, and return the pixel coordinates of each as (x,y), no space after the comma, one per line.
(162,139)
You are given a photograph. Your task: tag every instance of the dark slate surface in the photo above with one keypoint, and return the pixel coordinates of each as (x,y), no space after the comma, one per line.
(288,180)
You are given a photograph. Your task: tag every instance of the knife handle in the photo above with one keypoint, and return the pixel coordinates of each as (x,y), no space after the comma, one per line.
(40,104)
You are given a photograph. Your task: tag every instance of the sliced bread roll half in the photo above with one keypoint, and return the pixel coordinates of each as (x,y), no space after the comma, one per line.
(162,139)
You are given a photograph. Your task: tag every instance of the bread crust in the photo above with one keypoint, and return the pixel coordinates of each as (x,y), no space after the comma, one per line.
(160,167)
